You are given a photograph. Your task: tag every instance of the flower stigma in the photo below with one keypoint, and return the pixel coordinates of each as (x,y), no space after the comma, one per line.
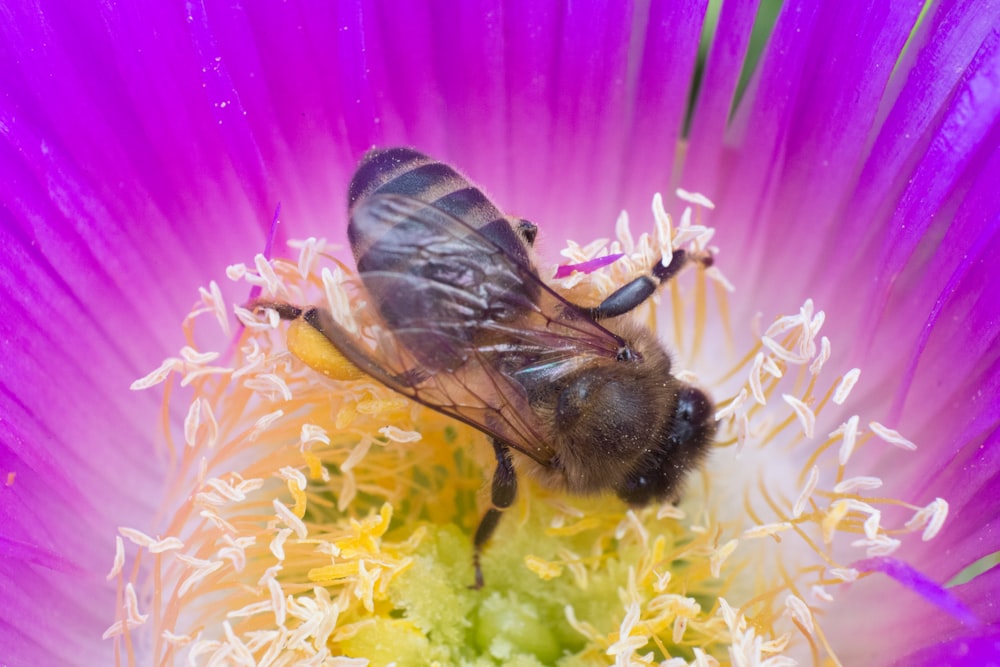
(314,517)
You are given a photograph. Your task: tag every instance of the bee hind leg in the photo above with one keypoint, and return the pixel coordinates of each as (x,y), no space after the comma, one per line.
(503,493)
(286,311)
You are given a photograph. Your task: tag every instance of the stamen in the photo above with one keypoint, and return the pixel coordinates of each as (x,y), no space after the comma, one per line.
(215,304)
(891,436)
(310,251)
(663,231)
(277,545)
(756,388)
(800,612)
(156,376)
(265,421)
(192,421)
(848,431)
(730,407)
(720,556)
(119,561)
(846,385)
(854,484)
(287,517)
(822,357)
(398,435)
(695,198)
(268,278)
(805,414)
(150,544)
(932,516)
(806,494)
(132,618)
(624,234)
(768,530)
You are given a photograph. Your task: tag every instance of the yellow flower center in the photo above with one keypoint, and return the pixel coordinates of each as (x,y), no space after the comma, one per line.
(313,515)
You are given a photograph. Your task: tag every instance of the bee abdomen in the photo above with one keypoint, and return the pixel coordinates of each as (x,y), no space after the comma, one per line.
(404,171)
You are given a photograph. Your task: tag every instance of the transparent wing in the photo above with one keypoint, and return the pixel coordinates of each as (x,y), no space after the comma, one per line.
(459,324)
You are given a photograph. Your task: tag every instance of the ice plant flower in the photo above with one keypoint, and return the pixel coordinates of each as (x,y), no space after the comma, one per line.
(271,512)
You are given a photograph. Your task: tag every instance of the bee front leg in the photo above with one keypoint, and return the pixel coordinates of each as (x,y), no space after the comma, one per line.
(632,294)
(503,494)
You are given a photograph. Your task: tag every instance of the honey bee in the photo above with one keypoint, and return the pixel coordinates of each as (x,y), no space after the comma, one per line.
(460,321)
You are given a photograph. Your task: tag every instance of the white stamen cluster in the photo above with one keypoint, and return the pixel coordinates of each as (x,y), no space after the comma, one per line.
(639,256)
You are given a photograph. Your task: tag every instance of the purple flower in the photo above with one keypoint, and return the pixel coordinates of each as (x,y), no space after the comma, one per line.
(144,151)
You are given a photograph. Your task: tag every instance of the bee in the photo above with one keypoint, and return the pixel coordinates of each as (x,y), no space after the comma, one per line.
(460,321)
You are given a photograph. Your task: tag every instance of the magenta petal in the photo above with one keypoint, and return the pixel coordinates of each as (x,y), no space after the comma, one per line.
(920,218)
(589,266)
(946,641)
(948,381)
(702,167)
(669,46)
(95,279)
(922,585)
(970,651)
(63,383)
(146,147)
(802,128)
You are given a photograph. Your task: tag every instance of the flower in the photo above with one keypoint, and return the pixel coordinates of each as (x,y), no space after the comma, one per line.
(146,150)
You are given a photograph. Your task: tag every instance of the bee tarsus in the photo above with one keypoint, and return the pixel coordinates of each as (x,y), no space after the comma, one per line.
(631,295)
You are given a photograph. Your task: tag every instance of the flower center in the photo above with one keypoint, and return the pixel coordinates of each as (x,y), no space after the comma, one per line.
(317,514)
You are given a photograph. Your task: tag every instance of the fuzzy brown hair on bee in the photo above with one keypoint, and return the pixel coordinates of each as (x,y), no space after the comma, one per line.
(459,320)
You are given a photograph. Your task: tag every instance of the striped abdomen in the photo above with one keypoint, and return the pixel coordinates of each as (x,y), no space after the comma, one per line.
(406,172)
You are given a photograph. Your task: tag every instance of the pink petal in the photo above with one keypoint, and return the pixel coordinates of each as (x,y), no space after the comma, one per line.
(144,150)
(589,266)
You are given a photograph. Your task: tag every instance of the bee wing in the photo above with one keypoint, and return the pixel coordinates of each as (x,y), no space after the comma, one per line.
(475,394)
(460,322)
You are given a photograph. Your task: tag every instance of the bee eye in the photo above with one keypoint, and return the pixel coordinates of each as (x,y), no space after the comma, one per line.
(625,354)
(693,406)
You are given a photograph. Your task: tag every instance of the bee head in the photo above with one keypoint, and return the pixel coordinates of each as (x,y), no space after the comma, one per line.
(681,444)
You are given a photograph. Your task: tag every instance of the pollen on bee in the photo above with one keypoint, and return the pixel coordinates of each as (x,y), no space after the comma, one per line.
(317,352)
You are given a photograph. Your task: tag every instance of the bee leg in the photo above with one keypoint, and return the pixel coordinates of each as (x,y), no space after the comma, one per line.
(632,294)
(503,493)
(286,311)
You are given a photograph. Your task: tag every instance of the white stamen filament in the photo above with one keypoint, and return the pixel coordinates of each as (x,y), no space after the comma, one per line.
(891,436)
(846,385)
